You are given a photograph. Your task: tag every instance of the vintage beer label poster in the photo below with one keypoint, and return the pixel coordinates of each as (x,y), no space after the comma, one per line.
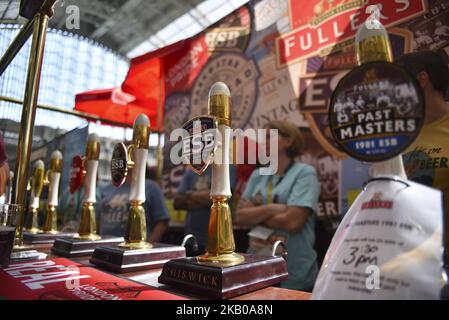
(63,279)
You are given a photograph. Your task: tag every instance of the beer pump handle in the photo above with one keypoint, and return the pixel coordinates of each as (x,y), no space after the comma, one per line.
(91,165)
(139,156)
(372,44)
(36,183)
(220,108)
(54,176)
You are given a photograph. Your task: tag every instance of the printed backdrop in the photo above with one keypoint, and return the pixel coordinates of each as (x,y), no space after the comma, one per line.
(282,59)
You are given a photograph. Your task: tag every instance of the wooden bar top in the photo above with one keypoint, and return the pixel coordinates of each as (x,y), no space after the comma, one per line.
(150,277)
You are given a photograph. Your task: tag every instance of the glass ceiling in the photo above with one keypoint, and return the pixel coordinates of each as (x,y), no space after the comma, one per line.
(189,24)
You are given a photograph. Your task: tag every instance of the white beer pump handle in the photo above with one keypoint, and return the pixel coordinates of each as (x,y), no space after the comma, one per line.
(90,181)
(54,178)
(219,103)
(35,192)
(92,156)
(137,192)
(141,133)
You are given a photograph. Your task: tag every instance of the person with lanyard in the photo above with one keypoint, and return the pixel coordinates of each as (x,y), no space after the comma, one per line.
(282,207)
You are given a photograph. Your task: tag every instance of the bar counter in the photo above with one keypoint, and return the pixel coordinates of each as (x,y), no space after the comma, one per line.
(150,277)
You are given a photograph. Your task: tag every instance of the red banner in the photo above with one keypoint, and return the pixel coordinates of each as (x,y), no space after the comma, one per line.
(63,279)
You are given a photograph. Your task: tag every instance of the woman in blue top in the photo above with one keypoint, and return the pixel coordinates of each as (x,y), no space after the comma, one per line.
(282,207)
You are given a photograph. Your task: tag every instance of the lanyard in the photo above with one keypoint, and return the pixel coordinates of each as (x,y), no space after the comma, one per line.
(270,184)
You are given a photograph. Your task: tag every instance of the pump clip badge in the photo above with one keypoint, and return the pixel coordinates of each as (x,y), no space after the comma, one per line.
(199,142)
(119,164)
(77,172)
(376,111)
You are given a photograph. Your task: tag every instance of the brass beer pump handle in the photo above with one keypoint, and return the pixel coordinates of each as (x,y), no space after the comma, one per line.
(87,229)
(141,132)
(56,161)
(136,230)
(36,183)
(54,175)
(220,244)
(37,180)
(372,44)
(93,147)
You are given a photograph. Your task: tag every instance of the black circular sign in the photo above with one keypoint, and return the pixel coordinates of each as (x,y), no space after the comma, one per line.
(376,111)
(119,164)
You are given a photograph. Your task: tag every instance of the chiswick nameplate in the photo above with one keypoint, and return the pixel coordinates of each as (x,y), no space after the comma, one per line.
(376,111)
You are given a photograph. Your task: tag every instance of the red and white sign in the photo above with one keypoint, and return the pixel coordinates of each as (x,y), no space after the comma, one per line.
(63,279)
(319,25)
(76,173)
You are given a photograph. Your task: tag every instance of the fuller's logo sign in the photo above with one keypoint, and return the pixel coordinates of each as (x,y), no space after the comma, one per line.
(320,25)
